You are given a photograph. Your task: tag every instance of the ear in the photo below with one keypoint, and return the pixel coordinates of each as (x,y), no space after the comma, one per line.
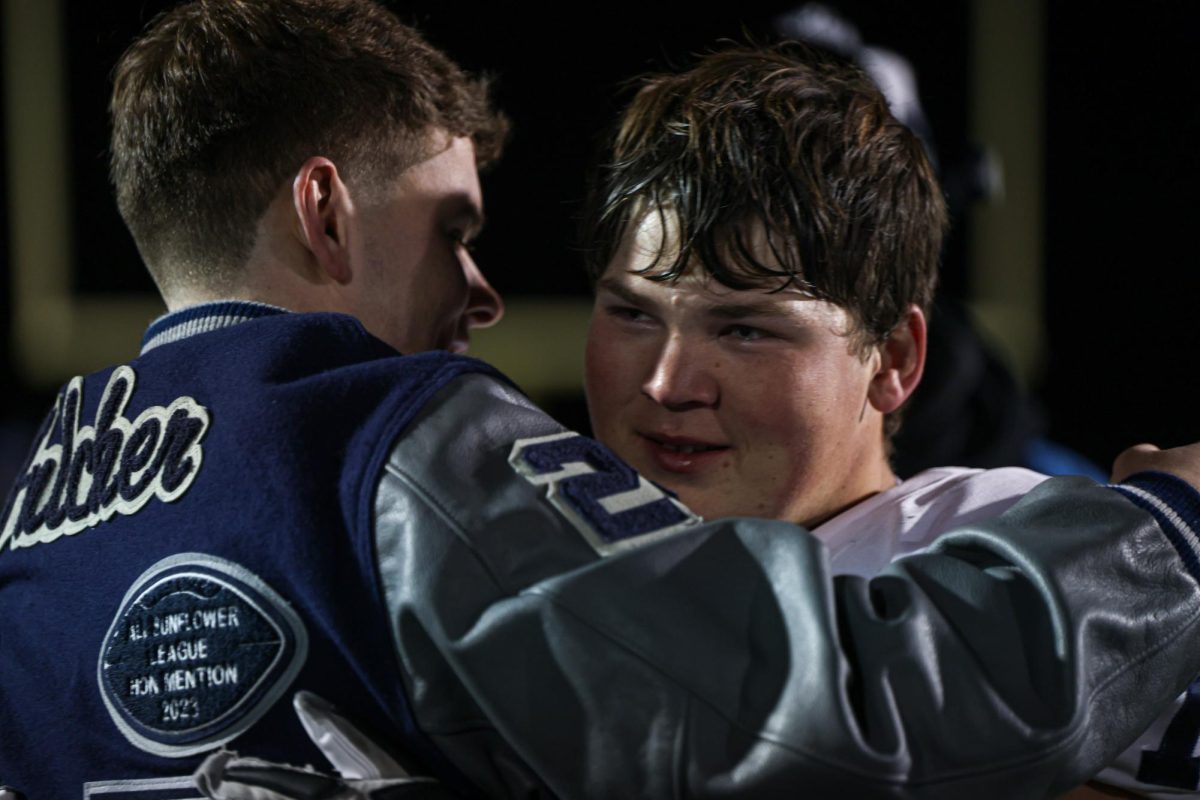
(902,361)
(323,211)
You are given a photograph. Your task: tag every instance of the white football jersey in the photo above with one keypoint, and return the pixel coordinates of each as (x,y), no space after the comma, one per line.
(1163,762)
(864,538)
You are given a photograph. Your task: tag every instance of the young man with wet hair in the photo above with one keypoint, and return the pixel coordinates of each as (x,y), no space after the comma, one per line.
(765,239)
(765,244)
(273,499)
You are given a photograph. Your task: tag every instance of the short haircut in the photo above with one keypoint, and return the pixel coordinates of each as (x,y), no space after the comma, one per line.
(785,145)
(218,104)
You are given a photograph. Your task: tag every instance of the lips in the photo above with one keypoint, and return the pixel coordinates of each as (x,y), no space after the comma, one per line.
(682,455)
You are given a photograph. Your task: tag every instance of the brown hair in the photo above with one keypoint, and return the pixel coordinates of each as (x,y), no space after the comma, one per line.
(219,102)
(787,145)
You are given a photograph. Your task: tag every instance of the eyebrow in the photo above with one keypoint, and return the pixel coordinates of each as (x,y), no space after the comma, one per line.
(764,308)
(614,286)
(742,310)
(468,214)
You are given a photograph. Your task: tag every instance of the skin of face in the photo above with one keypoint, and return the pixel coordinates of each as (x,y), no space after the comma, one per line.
(743,402)
(417,287)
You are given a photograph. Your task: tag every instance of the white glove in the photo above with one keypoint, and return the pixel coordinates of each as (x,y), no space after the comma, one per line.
(363,770)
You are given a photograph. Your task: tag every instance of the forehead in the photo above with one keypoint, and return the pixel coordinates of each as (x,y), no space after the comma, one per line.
(448,161)
(446,178)
(741,251)
(651,244)
(696,295)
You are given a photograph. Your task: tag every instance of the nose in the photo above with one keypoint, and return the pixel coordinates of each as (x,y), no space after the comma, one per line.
(681,378)
(484,306)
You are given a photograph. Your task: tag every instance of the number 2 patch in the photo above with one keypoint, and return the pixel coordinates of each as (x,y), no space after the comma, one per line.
(606,500)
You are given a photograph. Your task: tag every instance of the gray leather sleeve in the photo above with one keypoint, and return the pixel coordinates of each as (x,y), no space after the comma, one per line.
(1014,659)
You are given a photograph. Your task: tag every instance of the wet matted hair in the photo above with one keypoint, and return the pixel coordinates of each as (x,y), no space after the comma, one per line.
(775,166)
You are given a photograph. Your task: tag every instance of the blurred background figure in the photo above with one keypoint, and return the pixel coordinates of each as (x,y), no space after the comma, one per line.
(970,411)
(1074,269)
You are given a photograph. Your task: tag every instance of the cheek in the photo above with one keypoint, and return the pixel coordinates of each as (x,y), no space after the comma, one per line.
(608,373)
(788,423)
(441,301)
(453,284)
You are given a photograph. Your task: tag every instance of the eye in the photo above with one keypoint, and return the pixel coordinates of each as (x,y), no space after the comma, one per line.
(628,314)
(744,333)
(460,239)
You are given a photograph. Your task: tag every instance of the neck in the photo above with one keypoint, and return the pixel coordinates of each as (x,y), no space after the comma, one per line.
(867,485)
(266,282)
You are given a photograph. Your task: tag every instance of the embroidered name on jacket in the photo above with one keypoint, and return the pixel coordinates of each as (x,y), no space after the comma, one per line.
(112,466)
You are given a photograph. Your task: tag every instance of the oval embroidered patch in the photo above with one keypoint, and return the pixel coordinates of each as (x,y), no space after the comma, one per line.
(200,648)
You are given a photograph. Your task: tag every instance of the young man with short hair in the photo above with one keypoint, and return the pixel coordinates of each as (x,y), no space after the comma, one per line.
(273,498)
(765,239)
(215,173)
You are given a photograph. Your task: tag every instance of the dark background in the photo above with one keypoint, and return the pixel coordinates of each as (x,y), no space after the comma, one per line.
(1121,123)
(1121,179)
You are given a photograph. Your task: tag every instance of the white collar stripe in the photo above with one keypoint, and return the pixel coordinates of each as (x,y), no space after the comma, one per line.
(203,318)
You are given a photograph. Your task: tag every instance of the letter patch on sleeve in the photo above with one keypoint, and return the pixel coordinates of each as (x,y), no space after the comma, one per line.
(199,650)
(613,506)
